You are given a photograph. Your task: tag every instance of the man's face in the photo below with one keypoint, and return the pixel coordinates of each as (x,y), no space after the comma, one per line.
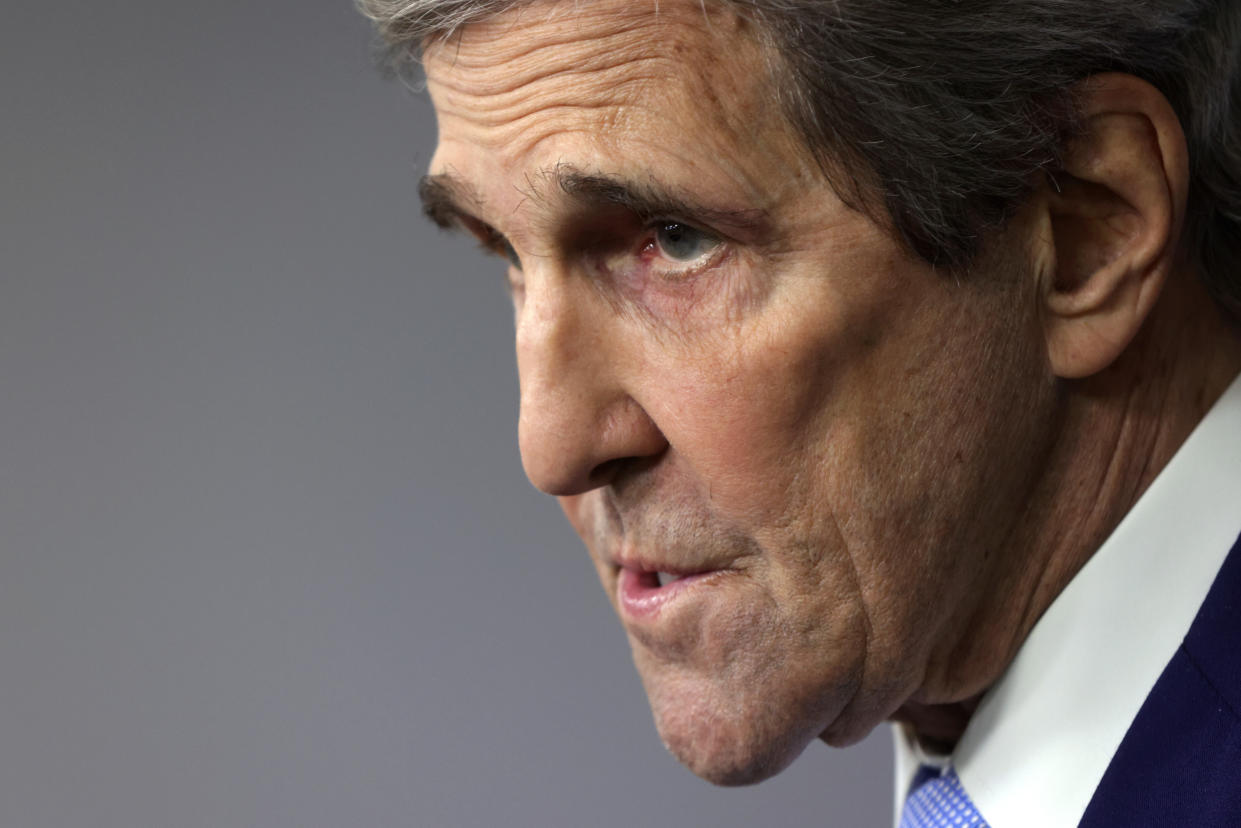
(727,374)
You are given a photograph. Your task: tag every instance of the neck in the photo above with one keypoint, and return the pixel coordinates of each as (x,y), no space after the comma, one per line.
(1118,429)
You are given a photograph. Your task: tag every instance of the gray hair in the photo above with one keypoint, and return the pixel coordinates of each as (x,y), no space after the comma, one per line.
(953,108)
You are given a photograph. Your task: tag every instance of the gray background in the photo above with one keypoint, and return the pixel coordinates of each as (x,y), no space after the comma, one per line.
(267,556)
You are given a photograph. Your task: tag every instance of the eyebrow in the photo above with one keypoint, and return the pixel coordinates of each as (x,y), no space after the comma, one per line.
(446,199)
(650,200)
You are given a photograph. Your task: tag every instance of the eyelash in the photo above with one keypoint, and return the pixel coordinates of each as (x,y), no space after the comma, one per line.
(497,245)
(491,241)
(689,270)
(494,243)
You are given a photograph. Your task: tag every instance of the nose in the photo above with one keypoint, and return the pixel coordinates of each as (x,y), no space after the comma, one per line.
(580,425)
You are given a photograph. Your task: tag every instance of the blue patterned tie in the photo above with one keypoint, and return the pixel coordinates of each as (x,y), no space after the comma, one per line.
(937,800)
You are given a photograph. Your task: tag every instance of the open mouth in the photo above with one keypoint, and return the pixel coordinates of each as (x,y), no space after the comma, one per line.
(665,578)
(655,580)
(645,593)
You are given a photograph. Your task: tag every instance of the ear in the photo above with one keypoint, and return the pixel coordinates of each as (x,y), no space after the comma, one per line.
(1115,214)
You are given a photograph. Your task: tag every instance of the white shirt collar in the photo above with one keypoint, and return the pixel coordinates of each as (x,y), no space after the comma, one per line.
(1042,737)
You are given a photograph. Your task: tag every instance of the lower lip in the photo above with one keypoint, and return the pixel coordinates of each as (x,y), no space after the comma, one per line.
(641,596)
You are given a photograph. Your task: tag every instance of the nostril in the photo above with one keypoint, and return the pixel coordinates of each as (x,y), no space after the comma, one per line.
(606,472)
(602,474)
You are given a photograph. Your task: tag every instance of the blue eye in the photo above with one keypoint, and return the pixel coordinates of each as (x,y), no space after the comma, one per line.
(683,243)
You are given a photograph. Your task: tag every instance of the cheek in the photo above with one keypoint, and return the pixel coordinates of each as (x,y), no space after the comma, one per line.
(749,424)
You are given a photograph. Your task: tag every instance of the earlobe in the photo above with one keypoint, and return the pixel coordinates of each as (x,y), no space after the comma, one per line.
(1114,211)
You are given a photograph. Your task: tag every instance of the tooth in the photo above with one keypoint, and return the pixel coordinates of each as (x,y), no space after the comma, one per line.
(666,578)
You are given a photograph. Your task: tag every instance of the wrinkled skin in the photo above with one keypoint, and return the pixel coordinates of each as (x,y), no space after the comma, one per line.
(843,435)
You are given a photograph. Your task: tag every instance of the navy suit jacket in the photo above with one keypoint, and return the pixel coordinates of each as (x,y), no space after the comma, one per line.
(1180,761)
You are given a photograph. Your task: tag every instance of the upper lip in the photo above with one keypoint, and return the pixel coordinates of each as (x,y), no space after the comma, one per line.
(642,565)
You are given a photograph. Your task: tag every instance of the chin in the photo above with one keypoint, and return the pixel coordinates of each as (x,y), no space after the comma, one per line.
(716,758)
(730,744)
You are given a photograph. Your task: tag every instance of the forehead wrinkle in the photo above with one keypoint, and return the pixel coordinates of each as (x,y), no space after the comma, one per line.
(559,99)
(519,36)
(604,112)
(524,76)
(496,75)
(612,120)
(514,119)
(511,55)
